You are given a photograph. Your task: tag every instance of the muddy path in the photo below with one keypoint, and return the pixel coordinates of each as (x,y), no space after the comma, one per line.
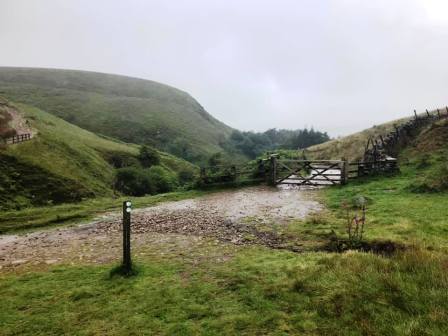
(238,217)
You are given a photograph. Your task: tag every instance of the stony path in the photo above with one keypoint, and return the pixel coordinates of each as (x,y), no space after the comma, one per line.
(18,122)
(234,217)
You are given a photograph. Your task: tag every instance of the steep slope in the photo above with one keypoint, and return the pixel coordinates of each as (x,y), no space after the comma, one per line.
(352,146)
(62,163)
(129,109)
(428,154)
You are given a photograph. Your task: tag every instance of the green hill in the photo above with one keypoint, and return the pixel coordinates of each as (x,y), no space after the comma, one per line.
(130,109)
(352,146)
(429,155)
(63,163)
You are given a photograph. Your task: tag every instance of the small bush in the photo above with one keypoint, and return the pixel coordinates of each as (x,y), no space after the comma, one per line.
(186,176)
(161,179)
(216,159)
(148,157)
(122,160)
(138,182)
(133,181)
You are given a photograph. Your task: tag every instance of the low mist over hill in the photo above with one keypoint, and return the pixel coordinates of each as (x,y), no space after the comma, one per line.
(130,109)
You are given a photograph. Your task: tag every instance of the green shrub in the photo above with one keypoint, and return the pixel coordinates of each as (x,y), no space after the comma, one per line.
(216,159)
(162,179)
(138,182)
(133,181)
(122,159)
(186,176)
(148,156)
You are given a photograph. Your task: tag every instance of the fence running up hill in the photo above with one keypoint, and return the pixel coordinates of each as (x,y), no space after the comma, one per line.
(377,149)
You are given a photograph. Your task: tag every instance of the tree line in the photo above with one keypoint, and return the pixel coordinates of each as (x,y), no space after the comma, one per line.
(253,144)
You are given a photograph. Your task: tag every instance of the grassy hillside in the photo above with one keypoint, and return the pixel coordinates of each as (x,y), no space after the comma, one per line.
(62,162)
(352,146)
(133,110)
(429,155)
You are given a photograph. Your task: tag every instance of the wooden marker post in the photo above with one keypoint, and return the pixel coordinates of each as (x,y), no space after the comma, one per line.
(127,264)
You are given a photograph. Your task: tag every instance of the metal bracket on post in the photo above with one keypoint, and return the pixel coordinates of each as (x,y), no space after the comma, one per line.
(127,264)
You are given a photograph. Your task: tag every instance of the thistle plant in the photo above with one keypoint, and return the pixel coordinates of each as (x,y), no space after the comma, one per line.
(355,220)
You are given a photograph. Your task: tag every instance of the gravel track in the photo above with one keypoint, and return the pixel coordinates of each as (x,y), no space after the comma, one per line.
(237,217)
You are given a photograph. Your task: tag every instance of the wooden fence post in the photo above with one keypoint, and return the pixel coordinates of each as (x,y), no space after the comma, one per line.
(344,171)
(360,169)
(273,170)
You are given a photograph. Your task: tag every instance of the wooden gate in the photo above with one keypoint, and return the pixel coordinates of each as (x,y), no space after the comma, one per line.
(306,172)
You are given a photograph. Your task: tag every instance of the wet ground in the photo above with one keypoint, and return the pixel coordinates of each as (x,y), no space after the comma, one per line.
(235,218)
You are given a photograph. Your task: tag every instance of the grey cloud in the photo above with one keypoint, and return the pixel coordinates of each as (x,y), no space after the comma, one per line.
(339,65)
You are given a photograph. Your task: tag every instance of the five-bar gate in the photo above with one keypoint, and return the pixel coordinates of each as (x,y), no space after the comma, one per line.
(308,172)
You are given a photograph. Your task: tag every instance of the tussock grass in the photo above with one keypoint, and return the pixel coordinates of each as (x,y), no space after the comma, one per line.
(258,292)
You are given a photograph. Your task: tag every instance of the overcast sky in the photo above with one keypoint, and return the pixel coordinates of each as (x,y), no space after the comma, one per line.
(337,65)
